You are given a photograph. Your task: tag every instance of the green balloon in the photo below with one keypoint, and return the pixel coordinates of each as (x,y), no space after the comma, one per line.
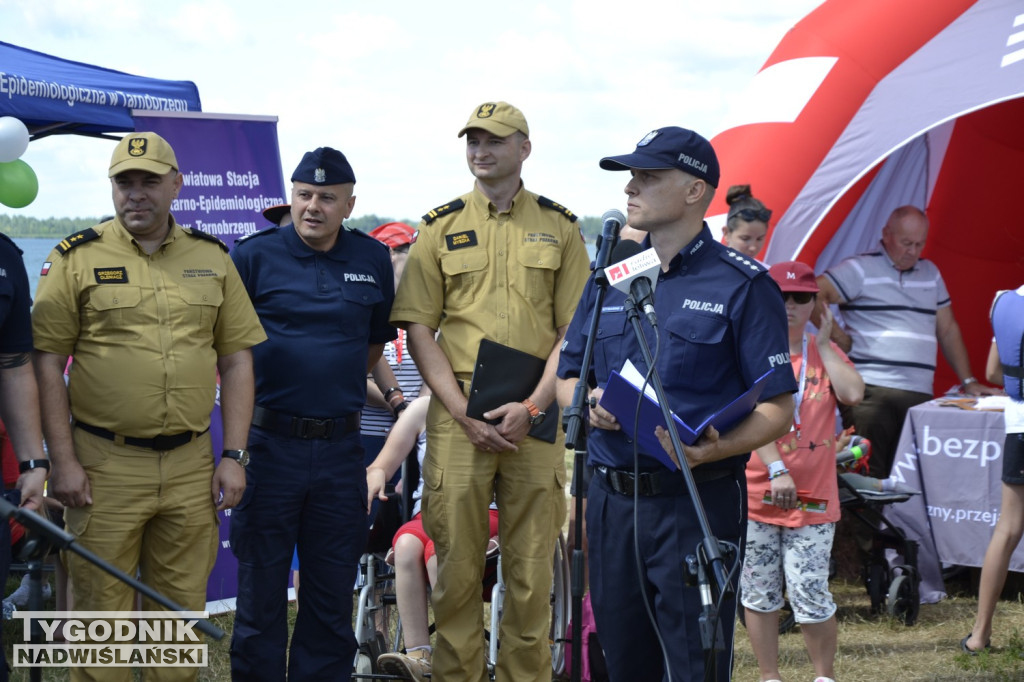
(18,184)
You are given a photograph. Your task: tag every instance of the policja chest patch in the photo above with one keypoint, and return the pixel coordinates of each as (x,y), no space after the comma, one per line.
(111,275)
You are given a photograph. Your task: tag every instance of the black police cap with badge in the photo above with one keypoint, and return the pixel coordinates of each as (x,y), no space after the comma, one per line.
(670,147)
(324,166)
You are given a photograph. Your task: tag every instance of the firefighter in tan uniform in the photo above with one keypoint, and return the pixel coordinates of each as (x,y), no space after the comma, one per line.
(504,264)
(152,312)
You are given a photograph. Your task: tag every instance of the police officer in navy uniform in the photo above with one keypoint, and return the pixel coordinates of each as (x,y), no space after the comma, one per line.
(19,395)
(722,325)
(323,294)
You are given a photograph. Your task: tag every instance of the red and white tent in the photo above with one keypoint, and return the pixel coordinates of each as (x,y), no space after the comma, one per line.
(865,106)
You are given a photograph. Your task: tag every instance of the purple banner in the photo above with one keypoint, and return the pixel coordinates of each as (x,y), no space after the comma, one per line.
(231,167)
(232,171)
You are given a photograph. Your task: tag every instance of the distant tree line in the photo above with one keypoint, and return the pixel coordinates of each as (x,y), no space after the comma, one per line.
(24,227)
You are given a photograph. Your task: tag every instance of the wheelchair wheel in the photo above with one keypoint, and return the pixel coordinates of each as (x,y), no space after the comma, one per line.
(903,601)
(560,607)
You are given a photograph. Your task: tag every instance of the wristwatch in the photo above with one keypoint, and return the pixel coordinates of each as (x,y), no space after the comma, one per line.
(536,416)
(240,456)
(30,464)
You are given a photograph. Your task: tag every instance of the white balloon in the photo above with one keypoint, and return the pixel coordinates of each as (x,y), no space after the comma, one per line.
(13,139)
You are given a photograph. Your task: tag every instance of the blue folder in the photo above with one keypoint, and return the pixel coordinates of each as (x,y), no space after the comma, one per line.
(620,398)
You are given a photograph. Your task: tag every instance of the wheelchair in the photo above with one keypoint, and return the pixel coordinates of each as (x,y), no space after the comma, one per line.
(378,628)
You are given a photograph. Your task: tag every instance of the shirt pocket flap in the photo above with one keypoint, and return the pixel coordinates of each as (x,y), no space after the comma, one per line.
(544,257)
(463,261)
(208,295)
(362,294)
(697,328)
(109,297)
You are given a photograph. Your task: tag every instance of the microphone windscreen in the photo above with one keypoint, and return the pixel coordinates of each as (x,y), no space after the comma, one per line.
(614,214)
(625,249)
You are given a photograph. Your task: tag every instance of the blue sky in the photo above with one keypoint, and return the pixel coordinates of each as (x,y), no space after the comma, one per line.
(391,83)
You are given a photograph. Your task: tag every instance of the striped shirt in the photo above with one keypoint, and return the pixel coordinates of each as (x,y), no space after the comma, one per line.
(377,421)
(890,315)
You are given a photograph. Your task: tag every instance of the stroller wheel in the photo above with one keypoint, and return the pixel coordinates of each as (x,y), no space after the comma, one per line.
(903,600)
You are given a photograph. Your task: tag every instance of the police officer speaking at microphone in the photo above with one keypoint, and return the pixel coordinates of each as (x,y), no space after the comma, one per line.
(323,294)
(152,312)
(721,322)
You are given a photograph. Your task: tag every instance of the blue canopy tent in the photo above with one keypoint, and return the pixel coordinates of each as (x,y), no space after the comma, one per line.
(58,96)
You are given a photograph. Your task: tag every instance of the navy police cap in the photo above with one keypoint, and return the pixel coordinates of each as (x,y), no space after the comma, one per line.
(324,166)
(670,147)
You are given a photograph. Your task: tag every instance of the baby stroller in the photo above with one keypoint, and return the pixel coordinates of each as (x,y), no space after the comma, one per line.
(893,588)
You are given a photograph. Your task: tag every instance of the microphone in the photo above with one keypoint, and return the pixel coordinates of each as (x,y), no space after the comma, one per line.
(635,273)
(612,222)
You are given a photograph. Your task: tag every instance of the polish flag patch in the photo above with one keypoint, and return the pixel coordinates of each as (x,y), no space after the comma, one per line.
(46,268)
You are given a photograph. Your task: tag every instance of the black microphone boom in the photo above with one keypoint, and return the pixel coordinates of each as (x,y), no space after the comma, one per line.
(640,290)
(612,221)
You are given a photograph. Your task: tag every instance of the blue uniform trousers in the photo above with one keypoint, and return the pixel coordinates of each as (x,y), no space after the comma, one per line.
(309,493)
(668,533)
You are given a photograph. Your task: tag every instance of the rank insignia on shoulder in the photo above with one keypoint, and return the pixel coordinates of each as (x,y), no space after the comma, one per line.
(444,209)
(744,264)
(191,231)
(555,206)
(265,231)
(77,239)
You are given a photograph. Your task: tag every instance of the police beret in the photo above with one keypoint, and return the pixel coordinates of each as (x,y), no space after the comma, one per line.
(324,166)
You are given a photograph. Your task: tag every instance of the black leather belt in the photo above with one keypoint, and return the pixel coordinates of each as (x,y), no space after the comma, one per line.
(655,483)
(158,443)
(304,427)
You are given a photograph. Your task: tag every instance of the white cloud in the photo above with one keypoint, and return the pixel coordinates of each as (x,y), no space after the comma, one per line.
(391,83)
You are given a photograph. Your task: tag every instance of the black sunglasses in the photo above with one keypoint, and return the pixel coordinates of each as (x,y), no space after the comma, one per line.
(800,297)
(752,214)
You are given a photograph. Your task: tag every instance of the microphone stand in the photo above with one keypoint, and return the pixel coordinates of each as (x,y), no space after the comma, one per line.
(48,535)
(709,552)
(576,440)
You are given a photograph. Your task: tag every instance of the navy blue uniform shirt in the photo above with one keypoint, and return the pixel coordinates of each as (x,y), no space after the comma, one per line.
(722,323)
(15,300)
(320,311)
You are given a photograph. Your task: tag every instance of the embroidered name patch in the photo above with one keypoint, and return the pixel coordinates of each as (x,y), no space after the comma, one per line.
(111,275)
(460,240)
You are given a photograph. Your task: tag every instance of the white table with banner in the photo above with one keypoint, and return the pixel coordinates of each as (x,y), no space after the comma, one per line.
(953,454)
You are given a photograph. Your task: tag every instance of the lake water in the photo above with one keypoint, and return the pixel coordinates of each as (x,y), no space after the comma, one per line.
(36,251)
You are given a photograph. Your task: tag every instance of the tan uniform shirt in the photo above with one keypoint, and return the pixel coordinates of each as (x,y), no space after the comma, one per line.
(511,277)
(145,329)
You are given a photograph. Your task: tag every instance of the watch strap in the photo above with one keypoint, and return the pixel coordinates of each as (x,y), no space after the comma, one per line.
(30,464)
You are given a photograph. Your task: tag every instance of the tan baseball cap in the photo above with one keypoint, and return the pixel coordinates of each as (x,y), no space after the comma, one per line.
(143,151)
(498,118)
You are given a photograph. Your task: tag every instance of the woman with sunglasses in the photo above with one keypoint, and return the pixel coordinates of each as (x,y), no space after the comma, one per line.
(792,494)
(747,223)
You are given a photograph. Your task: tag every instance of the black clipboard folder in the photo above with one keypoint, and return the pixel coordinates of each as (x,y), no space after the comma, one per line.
(507,375)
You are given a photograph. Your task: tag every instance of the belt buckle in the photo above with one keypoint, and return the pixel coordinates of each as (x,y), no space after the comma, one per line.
(316,428)
(621,481)
(649,484)
(164,443)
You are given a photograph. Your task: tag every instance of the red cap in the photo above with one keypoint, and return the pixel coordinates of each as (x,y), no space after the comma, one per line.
(393,234)
(275,213)
(794,276)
